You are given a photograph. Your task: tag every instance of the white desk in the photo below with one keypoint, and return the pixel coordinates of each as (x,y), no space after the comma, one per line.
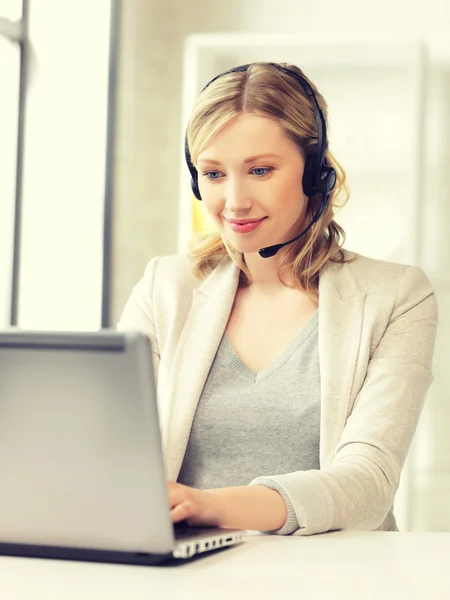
(334,566)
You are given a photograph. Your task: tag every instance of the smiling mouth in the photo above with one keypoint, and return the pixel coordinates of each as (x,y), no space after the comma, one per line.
(234,222)
(245,227)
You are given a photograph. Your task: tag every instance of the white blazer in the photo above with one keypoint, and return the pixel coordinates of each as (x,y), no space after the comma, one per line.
(377,326)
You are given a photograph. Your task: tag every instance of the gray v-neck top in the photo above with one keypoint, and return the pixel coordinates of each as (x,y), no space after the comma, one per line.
(249,425)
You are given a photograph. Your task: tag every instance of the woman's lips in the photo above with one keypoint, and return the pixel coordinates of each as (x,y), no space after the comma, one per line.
(245,227)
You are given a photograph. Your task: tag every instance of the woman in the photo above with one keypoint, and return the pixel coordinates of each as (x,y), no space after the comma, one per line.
(291,373)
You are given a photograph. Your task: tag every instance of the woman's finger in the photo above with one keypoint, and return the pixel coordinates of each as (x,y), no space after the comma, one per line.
(176,495)
(181,512)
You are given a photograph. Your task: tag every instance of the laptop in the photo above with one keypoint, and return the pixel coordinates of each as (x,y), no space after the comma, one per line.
(81,465)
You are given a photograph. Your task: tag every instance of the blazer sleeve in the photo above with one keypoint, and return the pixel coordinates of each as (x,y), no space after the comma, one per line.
(358,489)
(138,312)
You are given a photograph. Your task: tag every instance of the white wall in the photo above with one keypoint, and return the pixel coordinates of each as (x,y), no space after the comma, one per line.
(148,151)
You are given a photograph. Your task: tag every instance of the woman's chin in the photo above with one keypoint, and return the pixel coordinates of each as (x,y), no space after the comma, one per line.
(244,248)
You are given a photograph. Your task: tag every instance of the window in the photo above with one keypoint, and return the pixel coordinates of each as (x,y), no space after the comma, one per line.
(11,9)
(57,81)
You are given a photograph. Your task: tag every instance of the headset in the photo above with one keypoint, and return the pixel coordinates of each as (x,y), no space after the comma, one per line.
(318,176)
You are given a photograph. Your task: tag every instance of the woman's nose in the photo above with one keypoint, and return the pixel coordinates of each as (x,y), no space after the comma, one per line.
(236,197)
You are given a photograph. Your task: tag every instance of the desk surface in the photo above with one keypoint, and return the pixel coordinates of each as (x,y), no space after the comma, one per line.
(347,565)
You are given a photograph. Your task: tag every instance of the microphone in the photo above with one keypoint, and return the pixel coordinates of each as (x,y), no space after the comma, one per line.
(270,251)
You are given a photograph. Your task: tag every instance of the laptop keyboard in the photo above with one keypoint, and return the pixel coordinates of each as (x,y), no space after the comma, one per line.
(183,530)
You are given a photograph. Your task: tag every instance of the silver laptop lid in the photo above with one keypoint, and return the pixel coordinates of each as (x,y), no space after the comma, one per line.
(80,449)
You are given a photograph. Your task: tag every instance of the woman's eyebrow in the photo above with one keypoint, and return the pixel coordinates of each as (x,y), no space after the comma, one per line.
(259,156)
(246,161)
(209,161)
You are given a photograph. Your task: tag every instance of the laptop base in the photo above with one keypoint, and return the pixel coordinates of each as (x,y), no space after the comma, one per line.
(85,555)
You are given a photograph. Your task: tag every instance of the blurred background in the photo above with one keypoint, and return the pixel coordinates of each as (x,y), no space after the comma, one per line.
(94,100)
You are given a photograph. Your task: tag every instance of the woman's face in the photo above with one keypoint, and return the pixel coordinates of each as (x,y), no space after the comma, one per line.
(253,171)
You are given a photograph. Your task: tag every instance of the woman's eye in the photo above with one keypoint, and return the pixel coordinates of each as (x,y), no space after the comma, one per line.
(261,171)
(212,174)
(258,171)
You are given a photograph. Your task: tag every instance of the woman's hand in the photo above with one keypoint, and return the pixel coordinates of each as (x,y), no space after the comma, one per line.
(247,507)
(195,506)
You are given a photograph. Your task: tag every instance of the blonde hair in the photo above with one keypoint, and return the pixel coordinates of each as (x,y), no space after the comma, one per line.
(266,91)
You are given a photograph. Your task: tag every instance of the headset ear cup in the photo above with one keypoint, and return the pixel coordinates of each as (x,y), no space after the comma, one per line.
(194,186)
(330,178)
(192,171)
(308,179)
(327,180)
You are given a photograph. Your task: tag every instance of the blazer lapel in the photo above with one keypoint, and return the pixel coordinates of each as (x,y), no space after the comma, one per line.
(202,333)
(340,323)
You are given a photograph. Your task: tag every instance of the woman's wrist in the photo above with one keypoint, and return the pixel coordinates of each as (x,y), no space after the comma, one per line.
(248,507)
